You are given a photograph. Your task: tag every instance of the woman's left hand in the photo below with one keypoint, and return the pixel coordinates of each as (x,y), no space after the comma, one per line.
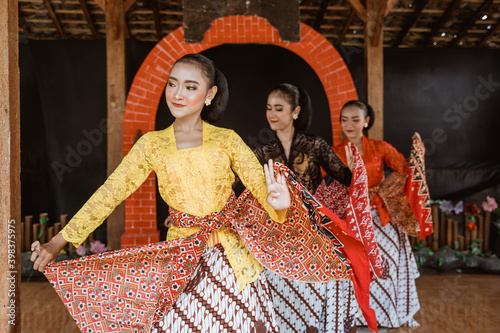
(349,156)
(278,195)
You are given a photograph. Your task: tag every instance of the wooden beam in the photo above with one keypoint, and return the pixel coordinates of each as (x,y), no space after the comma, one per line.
(489,36)
(420,4)
(90,23)
(390,6)
(116,91)
(126,5)
(54,18)
(374,64)
(10,170)
(22,23)
(358,8)
(320,16)
(156,16)
(346,26)
(375,23)
(471,22)
(442,20)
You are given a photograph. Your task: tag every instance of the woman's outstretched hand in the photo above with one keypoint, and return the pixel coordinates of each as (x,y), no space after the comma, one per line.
(278,195)
(349,156)
(44,254)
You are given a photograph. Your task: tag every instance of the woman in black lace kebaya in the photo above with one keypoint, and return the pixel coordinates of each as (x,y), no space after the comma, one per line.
(305,307)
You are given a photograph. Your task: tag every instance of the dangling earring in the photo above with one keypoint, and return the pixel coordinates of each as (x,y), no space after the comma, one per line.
(295,116)
(365,125)
(208,102)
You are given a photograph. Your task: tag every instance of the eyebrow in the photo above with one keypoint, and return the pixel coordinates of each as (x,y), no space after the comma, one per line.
(187,81)
(348,117)
(275,104)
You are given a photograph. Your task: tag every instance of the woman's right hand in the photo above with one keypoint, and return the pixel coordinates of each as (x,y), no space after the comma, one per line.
(43,254)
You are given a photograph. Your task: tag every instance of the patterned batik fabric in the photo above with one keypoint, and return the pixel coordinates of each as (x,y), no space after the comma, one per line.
(129,290)
(393,295)
(416,187)
(394,201)
(353,206)
(313,307)
(212,302)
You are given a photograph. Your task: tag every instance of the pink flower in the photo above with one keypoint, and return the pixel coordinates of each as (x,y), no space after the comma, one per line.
(81,251)
(97,247)
(490,204)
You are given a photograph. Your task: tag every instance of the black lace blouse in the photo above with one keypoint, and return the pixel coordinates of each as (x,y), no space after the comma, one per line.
(308,153)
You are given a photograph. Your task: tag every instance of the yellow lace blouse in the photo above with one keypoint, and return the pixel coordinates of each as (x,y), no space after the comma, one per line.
(195,180)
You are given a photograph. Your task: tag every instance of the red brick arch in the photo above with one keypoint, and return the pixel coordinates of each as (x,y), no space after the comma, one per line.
(149,82)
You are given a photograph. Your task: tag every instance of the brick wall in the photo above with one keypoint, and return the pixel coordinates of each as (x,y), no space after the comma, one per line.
(149,82)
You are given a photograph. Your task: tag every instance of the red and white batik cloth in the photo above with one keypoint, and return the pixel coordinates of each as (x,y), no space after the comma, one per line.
(211,302)
(393,295)
(330,307)
(313,307)
(130,290)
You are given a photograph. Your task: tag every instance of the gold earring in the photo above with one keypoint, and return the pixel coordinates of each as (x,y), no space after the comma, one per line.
(208,102)
(295,116)
(365,125)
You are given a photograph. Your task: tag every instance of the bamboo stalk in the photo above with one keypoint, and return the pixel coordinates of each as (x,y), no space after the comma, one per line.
(28,232)
(467,238)
(435,234)
(454,234)
(442,230)
(473,236)
(36,229)
(480,231)
(487,224)
(64,220)
(460,242)
(57,228)
(50,233)
(449,233)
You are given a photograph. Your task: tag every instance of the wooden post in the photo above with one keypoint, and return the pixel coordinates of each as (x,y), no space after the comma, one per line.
(115,62)
(473,236)
(454,235)
(487,224)
(449,233)
(442,230)
(435,234)
(374,63)
(10,170)
(467,238)
(480,231)
(64,220)
(460,242)
(28,228)
(57,227)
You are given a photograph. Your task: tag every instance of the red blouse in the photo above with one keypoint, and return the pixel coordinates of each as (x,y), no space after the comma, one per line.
(375,153)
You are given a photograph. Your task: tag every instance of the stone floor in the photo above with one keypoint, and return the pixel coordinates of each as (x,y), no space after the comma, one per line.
(454,303)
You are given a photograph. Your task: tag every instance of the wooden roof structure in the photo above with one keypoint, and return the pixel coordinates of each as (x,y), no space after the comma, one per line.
(409,23)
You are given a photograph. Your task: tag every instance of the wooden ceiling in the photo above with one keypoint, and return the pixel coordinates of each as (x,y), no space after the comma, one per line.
(409,23)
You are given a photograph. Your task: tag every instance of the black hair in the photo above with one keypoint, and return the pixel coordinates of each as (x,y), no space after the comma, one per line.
(296,96)
(367,110)
(215,110)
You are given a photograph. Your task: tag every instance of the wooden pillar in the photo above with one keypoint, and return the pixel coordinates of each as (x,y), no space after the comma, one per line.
(374,63)
(116,85)
(10,169)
